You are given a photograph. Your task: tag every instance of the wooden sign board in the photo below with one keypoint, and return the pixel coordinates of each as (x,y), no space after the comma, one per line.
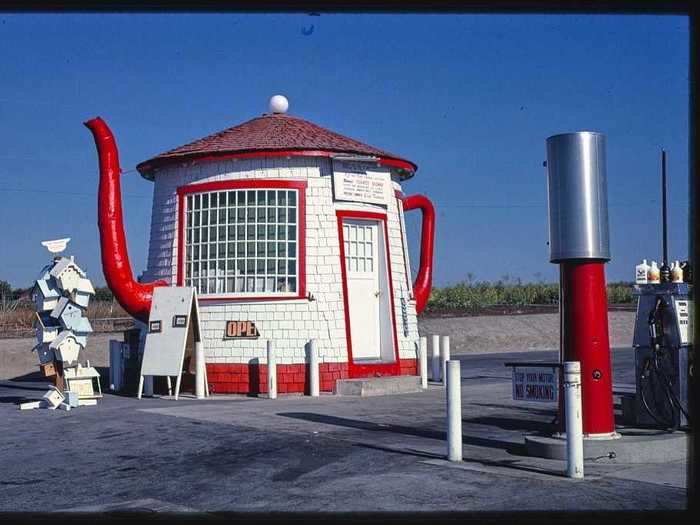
(241,330)
(173,330)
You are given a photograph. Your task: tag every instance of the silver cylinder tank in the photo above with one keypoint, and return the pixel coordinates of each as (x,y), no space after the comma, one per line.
(577,190)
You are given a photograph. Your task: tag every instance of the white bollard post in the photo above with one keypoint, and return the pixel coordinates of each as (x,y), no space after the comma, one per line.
(435,358)
(423,361)
(314,383)
(454,412)
(199,370)
(444,356)
(271,372)
(574,424)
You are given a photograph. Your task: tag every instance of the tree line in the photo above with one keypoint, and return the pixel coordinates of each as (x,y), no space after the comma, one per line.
(8,293)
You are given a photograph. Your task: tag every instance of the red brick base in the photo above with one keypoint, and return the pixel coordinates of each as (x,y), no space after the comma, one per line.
(409,367)
(242,378)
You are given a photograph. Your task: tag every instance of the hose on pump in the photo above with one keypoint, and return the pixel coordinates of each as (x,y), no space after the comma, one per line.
(658,374)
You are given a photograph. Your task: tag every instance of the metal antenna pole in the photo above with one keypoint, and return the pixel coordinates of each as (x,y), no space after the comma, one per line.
(664,218)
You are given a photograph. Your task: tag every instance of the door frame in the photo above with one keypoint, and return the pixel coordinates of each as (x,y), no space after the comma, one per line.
(367,370)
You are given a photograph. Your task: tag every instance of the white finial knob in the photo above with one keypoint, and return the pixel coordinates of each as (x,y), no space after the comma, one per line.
(279,104)
(56,246)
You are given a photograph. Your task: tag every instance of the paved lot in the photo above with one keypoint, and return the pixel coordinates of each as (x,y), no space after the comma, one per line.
(302,454)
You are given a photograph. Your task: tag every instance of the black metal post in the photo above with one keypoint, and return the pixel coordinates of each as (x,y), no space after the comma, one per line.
(664,217)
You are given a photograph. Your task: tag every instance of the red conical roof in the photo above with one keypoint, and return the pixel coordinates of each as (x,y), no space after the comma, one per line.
(273,134)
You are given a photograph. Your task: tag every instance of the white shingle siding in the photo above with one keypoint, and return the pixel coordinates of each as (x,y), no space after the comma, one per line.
(291,323)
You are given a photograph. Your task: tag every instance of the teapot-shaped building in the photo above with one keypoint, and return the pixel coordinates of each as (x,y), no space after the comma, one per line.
(289,232)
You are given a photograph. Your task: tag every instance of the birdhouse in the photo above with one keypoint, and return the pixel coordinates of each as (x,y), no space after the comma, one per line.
(66,347)
(81,380)
(46,327)
(53,397)
(286,227)
(67,313)
(67,274)
(82,293)
(81,331)
(44,353)
(45,294)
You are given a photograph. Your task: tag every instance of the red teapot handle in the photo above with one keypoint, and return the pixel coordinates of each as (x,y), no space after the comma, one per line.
(424,280)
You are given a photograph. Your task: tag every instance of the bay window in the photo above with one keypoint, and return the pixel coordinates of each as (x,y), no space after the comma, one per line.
(242,238)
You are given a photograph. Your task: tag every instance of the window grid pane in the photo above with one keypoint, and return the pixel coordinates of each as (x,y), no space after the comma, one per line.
(359,248)
(241,241)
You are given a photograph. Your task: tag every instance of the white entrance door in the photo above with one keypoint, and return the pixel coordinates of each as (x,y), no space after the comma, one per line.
(362,255)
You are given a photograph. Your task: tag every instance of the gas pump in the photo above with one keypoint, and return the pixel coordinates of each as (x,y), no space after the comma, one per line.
(663,356)
(663,362)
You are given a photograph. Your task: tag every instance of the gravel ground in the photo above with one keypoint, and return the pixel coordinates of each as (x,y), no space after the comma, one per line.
(515,333)
(468,335)
(17,358)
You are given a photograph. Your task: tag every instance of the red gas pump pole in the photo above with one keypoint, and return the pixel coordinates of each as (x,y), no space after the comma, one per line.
(584,338)
(579,243)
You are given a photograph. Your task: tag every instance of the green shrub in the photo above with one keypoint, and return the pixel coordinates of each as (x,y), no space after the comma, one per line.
(620,293)
(472,296)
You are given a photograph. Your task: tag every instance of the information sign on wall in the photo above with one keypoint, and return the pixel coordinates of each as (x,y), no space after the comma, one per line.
(361,186)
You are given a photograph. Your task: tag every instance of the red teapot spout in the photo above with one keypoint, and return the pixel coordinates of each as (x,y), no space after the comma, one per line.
(133,296)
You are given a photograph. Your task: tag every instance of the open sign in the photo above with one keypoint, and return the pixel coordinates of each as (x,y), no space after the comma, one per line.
(241,329)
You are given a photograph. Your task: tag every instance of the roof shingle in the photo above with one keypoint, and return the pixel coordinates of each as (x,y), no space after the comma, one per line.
(268,133)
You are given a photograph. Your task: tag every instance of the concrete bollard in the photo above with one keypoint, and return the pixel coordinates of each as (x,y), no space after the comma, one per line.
(444,356)
(435,358)
(454,411)
(271,372)
(423,361)
(314,383)
(199,370)
(574,424)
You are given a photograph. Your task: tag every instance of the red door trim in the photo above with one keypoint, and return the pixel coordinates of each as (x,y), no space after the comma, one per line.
(245,184)
(357,370)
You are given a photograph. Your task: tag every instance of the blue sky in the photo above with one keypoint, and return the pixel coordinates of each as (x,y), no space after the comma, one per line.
(470,98)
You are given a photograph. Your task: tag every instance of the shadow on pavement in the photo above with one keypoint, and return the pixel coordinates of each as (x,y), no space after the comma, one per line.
(508,446)
(30,377)
(509,423)
(407,451)
(14,399)
(529,409)
(503,463)
(510,463)
(23,387)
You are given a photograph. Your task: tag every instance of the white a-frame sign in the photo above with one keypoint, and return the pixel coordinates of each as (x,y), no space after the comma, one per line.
(172,335)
